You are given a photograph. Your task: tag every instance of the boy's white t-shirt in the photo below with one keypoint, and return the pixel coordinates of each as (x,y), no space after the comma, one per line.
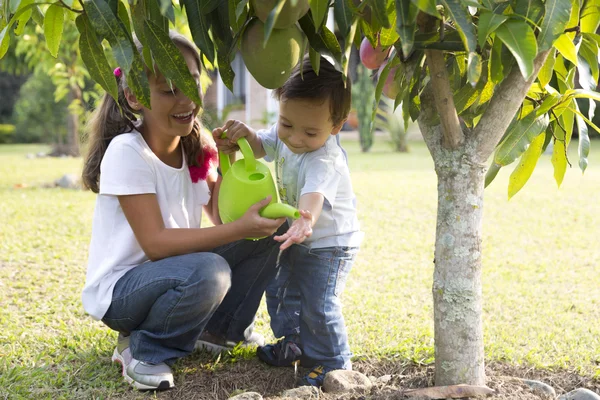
(129,167)
(323,171)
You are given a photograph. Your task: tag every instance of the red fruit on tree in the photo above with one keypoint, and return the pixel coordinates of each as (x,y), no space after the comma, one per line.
(372,58)
(391,87)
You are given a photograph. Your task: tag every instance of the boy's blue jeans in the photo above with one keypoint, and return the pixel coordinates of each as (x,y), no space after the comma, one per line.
(164,305)
(304,299)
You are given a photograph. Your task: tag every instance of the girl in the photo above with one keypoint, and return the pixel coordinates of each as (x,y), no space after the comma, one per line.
(153,274)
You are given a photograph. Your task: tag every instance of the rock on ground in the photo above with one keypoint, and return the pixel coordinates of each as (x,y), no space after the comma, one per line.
(341,381)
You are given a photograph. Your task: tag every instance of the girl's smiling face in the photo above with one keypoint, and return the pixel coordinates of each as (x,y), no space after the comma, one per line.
(172,113)
(305,125)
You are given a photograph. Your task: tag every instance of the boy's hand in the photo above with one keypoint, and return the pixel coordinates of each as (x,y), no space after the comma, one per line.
(234,130)
(298,232)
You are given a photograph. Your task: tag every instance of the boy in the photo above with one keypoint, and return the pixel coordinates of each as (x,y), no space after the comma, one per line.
(312,175)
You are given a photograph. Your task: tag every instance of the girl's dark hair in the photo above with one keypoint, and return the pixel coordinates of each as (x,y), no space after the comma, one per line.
(111,119)
(328,83)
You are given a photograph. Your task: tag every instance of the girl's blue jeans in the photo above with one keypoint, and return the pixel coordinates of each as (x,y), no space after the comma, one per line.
(304,300)
(164,305)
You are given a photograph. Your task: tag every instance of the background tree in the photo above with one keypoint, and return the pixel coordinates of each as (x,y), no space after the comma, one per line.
(68,77)
(482,78)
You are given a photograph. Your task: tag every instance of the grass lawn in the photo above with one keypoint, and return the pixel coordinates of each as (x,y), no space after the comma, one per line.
(541,277)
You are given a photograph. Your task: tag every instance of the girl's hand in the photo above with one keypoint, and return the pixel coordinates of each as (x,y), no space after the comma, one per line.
(256,226)
(298,232)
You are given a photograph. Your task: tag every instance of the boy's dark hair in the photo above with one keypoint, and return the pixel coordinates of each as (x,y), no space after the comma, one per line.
(327,84)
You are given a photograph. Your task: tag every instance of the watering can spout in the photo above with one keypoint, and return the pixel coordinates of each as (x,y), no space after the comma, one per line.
(278,210)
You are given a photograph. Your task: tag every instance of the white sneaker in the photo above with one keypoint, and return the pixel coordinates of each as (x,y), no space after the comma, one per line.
(140,374)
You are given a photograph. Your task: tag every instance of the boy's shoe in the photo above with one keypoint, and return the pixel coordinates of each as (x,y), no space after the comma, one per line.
(218,344)
(140,374)
(284,353)
(314,377)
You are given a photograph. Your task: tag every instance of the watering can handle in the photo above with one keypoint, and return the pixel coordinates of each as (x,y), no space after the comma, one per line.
(250,160)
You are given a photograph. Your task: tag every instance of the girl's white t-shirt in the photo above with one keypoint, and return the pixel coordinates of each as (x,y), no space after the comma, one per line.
(129,167)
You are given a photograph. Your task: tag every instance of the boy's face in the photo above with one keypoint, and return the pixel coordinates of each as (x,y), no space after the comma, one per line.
(305,125)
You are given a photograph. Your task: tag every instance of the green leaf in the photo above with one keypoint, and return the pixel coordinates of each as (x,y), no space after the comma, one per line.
(154,14)
(4,33)
(137,80)
(474,68)
(323,42)
(4,41)
(462,19)
(170,61)
(365,28)
(406,19)
(315,60)
(524,169)
(495,65)
(559,161)
(123,15)
(589,52)
(318,8)
(93,57)
(519,137)
(520,40)
(584,142)
(53,28)
(379,9)
(241,8)
(532,10)
(166,9)
(393,61)
(565,46)
(138,16)
(555,19)
(427,6)
(549,101)
(199,26)
(22,19)
(13,6)
(389,36)
(491,173)
(271,19)
(207,6)
(590,16)
(587,121)
(106,24)
(581,94)
(343,16)
(348,48)
(545,74)
(36,16)
(225,70)
(488,23)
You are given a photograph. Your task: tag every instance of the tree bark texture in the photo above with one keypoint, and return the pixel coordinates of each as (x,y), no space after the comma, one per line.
(457,293)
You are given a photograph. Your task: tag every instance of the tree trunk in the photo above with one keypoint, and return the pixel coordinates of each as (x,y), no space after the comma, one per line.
(401,143)
(71,147)
(73,123)
(457,297)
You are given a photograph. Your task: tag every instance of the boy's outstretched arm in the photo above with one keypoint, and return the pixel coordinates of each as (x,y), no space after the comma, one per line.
(235,130)
(310,206)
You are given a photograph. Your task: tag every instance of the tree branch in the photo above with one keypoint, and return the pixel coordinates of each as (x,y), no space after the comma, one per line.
(429,122)
(444,101)
(503,106)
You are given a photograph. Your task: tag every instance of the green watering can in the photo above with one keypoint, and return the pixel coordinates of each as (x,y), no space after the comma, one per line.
(245,183)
